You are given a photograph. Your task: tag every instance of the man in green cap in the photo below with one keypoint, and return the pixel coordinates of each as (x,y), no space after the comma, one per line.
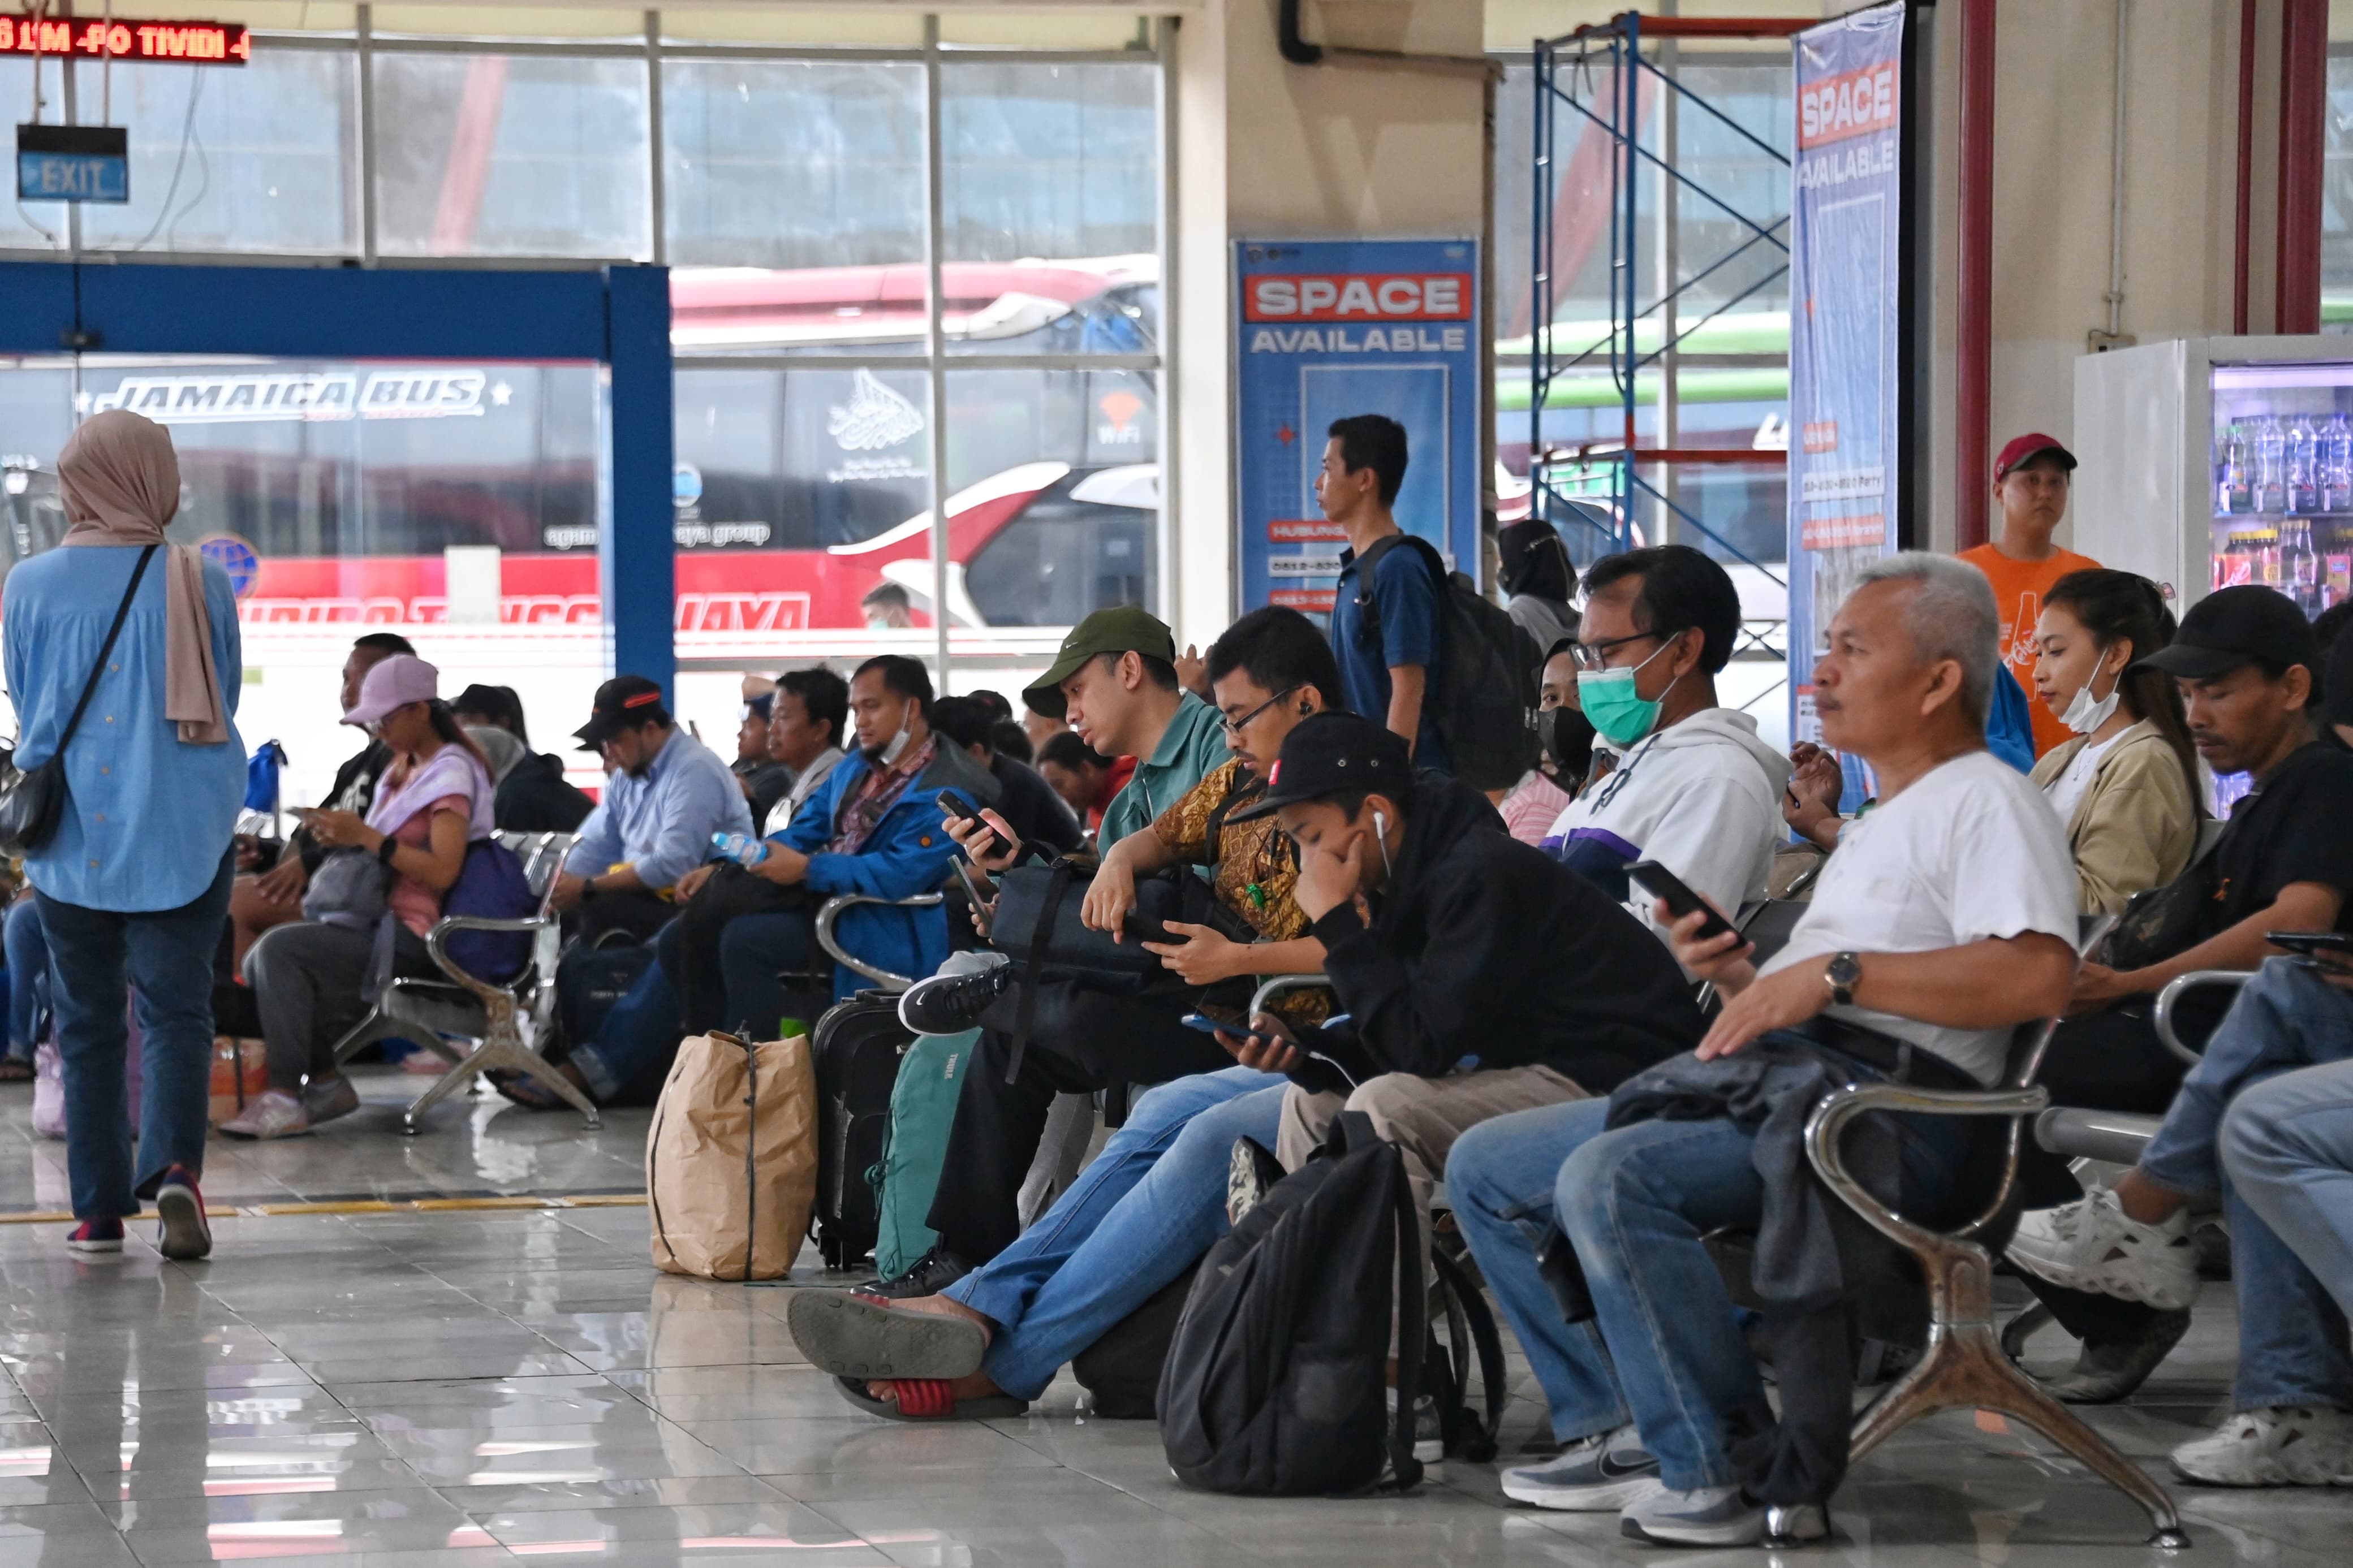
(1114,681)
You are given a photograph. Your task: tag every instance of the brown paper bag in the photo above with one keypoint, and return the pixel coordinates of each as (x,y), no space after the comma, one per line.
(731,1159)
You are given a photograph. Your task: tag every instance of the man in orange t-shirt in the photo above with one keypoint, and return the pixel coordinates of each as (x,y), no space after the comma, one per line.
(2029,481)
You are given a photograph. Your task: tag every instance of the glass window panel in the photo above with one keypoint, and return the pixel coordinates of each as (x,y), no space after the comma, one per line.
(507,22)
(262,158)
(793,164)
(799,493)
(1078,450)
(347,482)
(872,29)
(2336,194)
(1051,194)
(1044,30)
(261,15)
(510,155)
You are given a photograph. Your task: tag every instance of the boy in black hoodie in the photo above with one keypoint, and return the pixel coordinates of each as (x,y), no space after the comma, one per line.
(1478,975)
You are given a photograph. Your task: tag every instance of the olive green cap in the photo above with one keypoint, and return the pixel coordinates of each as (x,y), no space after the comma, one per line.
(1120,629)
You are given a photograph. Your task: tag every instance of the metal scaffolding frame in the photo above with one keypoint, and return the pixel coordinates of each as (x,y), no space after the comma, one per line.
(1596,75)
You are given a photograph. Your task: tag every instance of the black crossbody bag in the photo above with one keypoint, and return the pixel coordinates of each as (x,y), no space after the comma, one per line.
(32,803)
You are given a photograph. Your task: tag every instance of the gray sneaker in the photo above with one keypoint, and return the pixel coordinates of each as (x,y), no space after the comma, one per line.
(1717,1516)
(1601,1474)
(324,1100)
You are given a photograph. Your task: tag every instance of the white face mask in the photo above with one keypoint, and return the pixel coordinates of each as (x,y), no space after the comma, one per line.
(2086,713)
(896,747)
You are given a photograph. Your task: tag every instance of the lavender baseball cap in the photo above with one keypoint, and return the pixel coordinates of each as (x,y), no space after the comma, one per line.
(393,682)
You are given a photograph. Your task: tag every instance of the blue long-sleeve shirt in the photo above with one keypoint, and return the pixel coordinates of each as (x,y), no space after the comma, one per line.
(147,817)
(662,823)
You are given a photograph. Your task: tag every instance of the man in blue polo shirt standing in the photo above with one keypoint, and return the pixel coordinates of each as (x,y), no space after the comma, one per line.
(1385,630)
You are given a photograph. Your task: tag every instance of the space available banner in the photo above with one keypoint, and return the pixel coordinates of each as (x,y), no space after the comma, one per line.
(1845,231)
(1332,328)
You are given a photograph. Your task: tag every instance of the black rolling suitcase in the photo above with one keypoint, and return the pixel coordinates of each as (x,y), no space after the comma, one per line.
(856,1050)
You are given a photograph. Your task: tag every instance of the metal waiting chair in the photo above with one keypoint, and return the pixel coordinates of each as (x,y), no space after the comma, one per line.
(1963,1366)
(502,1023)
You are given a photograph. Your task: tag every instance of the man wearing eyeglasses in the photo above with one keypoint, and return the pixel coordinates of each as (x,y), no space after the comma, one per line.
(1693,787)
(1270,671)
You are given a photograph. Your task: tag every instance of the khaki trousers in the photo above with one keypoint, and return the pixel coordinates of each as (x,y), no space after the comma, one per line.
(1423,1116)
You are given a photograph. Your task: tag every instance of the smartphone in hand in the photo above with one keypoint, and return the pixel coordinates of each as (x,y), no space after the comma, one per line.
(1676,893)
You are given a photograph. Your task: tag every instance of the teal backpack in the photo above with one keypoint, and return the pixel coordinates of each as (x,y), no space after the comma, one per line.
(915,1145)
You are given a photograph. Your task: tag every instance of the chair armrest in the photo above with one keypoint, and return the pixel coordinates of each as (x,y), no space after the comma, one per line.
(1276,985)
(436,943)
(1826,1127)
(831,912)
(2160,1017)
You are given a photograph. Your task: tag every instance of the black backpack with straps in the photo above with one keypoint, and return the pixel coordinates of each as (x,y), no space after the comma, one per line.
(1485,699)
(1274,1383)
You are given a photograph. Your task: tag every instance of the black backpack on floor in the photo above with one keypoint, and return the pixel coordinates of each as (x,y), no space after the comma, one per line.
(856,1051)
(1274,1384)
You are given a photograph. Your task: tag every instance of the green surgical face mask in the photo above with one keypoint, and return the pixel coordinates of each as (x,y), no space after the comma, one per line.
(1619,715)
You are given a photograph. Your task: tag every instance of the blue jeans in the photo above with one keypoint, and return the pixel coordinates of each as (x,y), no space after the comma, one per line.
(2287,1149)
(1150,1204)
(1634,1203)
(2285,1016)
(28,975)
(95,955)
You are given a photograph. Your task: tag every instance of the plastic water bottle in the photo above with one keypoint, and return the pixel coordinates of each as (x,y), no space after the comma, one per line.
(740,848)
(2302,466)
(2270,465)
(2337,466)
(2232,493)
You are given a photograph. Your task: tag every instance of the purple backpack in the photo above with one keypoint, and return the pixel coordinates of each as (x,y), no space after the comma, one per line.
(491,884)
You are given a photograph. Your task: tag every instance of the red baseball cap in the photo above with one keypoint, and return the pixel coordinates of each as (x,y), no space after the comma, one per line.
(2029,446)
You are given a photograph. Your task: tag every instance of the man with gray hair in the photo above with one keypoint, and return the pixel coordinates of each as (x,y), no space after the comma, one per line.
(1947,917)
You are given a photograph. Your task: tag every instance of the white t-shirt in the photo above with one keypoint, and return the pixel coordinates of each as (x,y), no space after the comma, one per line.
(2066,792)
(1972,850)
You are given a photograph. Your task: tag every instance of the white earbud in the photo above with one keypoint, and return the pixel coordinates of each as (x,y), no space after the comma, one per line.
(1381,837)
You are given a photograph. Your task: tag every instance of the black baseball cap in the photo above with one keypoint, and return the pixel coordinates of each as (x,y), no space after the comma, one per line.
(623,702)
(1332,753)
(2234,626)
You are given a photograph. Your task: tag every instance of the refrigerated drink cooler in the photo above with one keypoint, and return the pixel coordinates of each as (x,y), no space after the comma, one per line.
(2213,461)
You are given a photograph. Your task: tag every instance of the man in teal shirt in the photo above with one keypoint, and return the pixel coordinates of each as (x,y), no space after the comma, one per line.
(1115,679)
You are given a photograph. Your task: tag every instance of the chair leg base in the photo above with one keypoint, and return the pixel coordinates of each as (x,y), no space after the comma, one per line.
(2022,1328)
(500,1055)
(1965,1367)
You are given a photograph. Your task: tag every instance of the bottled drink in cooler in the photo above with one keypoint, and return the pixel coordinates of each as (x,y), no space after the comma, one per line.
(2302,466)
(2233,492)
(2337,465)
(2270,465)
(2300,567)
(2268,559)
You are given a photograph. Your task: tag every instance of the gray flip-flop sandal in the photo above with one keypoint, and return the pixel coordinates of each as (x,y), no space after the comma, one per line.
(852,1337)
(988,1407)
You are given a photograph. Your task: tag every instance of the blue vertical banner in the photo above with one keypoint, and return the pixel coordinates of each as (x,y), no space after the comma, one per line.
(1846,326)
(1327,329)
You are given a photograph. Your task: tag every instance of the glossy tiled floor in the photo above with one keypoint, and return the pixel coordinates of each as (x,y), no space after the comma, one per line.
(455,1389)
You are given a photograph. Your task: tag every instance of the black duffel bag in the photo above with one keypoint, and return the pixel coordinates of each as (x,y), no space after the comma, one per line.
(1037,925)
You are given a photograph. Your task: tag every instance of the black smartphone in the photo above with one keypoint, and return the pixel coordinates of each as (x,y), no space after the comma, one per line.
(2312,943)
(1210,1020)
(1672,891)
(952,805)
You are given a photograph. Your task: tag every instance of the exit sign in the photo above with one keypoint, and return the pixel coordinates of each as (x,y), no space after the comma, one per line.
(73,163)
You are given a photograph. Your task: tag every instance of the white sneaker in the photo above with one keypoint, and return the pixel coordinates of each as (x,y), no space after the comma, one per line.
(277,1114)
(2279,1446)
(1602,1474)
(324,1100)
(2093,1244)
(1715,1516)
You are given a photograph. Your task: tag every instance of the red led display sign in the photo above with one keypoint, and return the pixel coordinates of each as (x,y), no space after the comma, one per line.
(170,43)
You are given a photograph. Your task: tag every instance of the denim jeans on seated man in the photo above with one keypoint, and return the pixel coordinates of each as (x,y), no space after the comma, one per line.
(640,1036)
(1634,1201)
(166,958)
(2287,1150)
(1138,1216)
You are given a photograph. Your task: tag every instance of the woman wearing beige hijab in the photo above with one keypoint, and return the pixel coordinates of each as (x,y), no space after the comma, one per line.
(134,885)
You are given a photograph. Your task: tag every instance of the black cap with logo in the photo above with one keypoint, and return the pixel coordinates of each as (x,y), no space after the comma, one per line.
(2234,626)
(623,702)
(1333,753)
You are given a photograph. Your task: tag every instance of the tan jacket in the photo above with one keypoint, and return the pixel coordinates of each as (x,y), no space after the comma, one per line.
(2137,824)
